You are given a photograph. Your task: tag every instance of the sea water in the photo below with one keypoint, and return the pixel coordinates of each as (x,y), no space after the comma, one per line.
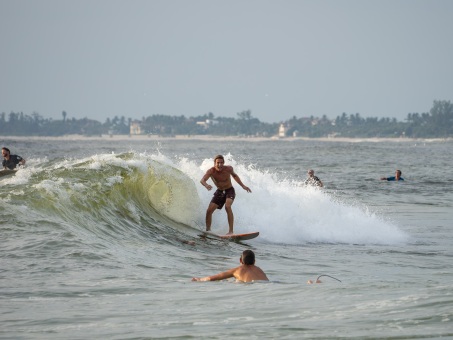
(100,240)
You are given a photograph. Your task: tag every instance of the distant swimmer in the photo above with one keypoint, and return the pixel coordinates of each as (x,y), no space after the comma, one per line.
(312,179)
(10,161)
(246,272)
(397,177)
(220,175)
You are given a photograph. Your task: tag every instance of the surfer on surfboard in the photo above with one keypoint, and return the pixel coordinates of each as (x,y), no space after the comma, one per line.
(221,174)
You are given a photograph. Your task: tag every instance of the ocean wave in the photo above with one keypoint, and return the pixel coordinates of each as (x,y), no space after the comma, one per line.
(113,194)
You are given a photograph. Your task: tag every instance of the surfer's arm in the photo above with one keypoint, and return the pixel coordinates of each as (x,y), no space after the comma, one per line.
(238,180)
(205,178)
(217,277)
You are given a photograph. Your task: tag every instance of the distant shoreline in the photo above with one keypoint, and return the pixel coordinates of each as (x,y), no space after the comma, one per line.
(224,138)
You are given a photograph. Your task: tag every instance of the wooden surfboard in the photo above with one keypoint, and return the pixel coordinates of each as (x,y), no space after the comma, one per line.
(232,237)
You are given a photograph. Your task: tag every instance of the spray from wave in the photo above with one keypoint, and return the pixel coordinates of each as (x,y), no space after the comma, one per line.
(284,211)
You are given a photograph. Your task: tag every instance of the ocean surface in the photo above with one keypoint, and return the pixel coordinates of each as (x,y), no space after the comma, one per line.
(100,240)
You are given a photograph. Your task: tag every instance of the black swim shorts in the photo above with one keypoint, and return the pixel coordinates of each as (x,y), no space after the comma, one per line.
(220,196)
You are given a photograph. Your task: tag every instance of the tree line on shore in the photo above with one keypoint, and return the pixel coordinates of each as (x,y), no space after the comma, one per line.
(437,123)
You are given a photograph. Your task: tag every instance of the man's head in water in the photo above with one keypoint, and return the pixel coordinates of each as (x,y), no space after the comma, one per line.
(248,257)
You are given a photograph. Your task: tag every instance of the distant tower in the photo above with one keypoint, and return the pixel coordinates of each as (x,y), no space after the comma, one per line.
(282,131)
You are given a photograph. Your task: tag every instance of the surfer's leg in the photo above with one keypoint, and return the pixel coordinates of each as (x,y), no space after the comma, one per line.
(229,211)
(211,208)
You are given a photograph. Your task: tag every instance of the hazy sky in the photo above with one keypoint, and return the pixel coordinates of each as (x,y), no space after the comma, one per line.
(279,58)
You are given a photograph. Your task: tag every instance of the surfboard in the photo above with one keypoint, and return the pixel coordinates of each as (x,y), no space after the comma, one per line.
(232,237)
(7,172)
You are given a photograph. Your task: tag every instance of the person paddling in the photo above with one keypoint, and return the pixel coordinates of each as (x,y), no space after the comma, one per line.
(246,272)
(11,161)
(397,177)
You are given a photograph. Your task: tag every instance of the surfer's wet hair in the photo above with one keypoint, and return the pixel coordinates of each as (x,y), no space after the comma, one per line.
(219,157)
(248,257)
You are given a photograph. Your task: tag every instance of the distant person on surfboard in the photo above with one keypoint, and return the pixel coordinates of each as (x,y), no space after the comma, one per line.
(246,272)
(220,175)
(397,177)
(10,161)
(312,179)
